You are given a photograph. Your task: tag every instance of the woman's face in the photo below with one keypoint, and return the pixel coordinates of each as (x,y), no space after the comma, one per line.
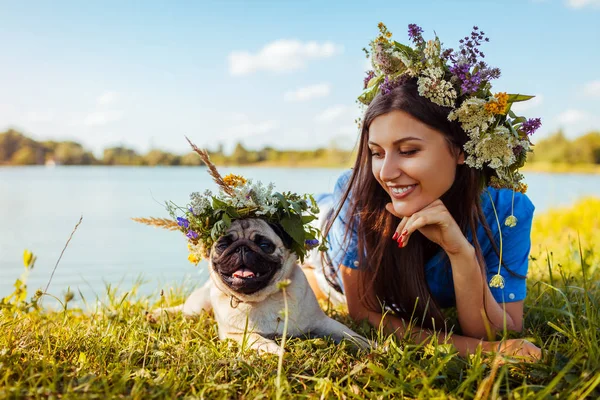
(411,161)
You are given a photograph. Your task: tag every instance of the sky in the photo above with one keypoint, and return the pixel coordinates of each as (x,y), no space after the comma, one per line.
(286,74)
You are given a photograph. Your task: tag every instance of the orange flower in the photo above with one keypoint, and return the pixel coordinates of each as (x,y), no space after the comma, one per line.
(234,180)
(497,105)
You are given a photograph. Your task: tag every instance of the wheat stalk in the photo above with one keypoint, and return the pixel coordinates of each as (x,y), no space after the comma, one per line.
(212,169)
(158,222)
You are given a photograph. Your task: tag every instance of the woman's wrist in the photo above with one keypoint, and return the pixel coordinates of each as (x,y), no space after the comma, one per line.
(464,249)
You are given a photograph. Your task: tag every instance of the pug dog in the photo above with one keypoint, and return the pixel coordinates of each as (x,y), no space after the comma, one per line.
(246,264)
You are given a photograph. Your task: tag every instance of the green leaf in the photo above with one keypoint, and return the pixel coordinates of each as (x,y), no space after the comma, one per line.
(514,98)
(518,120)
(369,93)
(292,225)
(282,200)
(219,204)
(226,220)
(308,218)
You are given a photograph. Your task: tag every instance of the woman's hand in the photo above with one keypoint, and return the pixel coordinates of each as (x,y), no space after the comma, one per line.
(519,348)
(435,223)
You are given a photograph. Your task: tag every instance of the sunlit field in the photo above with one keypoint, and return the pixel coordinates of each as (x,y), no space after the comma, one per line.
(105,348)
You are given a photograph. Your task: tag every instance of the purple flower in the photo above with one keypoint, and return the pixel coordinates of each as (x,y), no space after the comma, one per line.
(414,33)
(388,85)
(370,75)
(531,125)
(311,243)
(184,223)
(192,235)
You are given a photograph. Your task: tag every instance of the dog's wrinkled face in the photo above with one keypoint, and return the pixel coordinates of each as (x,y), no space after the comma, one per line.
(250,257)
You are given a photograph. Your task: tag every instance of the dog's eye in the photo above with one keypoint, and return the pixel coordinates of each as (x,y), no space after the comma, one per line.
(265,245)
(223,243)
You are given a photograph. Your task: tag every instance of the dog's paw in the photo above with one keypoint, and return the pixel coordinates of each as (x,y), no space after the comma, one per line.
(268,348)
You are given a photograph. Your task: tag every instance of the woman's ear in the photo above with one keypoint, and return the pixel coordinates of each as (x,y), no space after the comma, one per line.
(461,158)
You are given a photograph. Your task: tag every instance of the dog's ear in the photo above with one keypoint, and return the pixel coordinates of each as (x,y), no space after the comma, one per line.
(285,238)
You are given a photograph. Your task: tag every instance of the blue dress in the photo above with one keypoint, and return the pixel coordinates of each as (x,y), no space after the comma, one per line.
(516,244)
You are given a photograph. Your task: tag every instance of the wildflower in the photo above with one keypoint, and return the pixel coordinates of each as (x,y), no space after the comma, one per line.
(497,281)
(414,33)
(497,104)
(184,223)
(311,244)
(388,85)
(531,125)
(193,258)
(511,221)
(233,180)
(370,75)
(435,88)
(192,235)
(283,284)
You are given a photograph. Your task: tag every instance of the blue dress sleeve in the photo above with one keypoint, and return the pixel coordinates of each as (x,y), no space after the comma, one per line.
(516,243)
(342,246)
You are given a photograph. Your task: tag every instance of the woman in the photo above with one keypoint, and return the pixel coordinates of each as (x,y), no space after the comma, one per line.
(414,227)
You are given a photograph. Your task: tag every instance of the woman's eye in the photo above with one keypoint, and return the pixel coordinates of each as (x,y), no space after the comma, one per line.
(409,152)
(375,154)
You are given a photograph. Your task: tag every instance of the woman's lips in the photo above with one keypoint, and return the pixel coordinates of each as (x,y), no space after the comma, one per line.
(401,192)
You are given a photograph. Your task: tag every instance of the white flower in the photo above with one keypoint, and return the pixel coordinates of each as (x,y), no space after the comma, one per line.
(200,202)
(435,88)
(511,221)
(472,116)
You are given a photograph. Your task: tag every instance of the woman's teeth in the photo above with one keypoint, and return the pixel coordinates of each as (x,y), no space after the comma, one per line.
(402,190)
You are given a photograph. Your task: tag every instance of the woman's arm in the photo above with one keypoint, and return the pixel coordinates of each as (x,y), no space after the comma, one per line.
(473,296)
(391,324)
(477,309)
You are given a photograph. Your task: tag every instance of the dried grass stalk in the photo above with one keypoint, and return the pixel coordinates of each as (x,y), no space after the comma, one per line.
(163,223)
(212,169)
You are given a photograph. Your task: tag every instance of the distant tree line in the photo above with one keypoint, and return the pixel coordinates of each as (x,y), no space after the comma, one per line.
(18,149)
(559,149)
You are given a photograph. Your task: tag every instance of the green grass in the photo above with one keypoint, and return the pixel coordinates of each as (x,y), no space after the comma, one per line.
(108,350)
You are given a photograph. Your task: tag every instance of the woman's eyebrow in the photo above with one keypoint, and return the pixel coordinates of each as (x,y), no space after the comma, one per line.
(399,140)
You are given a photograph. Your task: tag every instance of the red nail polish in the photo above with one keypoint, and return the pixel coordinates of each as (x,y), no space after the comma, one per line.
(395,236)
(400,244)
(404,232)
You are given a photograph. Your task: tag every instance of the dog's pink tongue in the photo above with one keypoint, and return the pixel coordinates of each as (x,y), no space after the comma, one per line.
(243,273)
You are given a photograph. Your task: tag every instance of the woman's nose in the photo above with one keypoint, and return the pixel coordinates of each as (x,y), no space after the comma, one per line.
(390,169)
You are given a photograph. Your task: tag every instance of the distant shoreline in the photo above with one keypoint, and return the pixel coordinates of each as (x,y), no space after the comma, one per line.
(539,167)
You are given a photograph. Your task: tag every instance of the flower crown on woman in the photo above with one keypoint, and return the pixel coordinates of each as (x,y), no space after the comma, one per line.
(459,80)
(208,216)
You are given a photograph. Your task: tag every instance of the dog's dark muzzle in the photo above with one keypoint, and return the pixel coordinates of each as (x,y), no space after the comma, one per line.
(245,268)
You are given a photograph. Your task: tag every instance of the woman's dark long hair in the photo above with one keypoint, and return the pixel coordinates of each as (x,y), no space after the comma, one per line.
(397,276)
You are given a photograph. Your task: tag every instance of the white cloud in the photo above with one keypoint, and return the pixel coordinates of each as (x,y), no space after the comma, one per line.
(99,118)
(523,106)
(244,127)
(106,98)
(592,88)
(280,56)
(308,92)
(332,113)
(572,116)
(582,3)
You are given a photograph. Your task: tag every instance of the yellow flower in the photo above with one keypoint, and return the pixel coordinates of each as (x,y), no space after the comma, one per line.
(497,281)
(497,105)
(234,180)
(193,258)
(511,221)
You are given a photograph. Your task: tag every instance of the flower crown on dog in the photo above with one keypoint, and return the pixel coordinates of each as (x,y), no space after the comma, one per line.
(459,80)
(208,216)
